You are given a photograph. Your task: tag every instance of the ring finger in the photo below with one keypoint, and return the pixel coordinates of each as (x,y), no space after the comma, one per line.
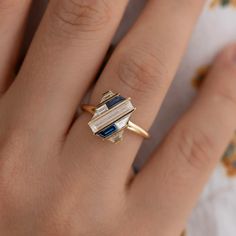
(142,68)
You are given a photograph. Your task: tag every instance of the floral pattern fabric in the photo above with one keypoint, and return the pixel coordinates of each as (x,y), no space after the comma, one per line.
(223,3)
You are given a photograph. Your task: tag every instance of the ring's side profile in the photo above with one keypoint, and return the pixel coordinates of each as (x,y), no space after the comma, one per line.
(112,116)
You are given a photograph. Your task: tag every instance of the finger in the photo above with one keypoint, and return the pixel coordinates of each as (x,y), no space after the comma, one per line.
(13,15)
(142,68)
(64,57)
(178,171)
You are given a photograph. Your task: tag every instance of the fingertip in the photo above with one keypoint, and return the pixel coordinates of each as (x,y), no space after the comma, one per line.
(222,73)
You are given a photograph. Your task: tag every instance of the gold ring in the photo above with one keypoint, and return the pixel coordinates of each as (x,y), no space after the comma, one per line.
(112,116)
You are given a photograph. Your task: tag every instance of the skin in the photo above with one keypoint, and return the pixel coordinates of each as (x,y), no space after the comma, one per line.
(56,178)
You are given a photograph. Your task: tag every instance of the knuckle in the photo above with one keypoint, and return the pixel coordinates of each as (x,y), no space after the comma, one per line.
(73,16)
(194,147)
(141,70)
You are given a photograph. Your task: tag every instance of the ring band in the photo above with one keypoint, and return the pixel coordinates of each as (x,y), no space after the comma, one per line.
(112,116)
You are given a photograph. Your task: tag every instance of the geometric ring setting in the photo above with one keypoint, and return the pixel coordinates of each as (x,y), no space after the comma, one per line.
(112,116)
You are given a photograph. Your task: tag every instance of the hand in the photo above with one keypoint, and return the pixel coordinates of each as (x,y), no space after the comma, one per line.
(56,178)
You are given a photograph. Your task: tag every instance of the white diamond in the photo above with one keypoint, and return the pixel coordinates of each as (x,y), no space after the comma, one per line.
(107,95)
(117,137)
(111,116)
(101,109)
(93,128)
(123,122)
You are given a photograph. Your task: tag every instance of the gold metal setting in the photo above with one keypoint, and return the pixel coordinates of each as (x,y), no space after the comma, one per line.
(112,116)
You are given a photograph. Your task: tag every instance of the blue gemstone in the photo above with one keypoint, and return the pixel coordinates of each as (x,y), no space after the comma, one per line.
(108,131)
(114,101)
